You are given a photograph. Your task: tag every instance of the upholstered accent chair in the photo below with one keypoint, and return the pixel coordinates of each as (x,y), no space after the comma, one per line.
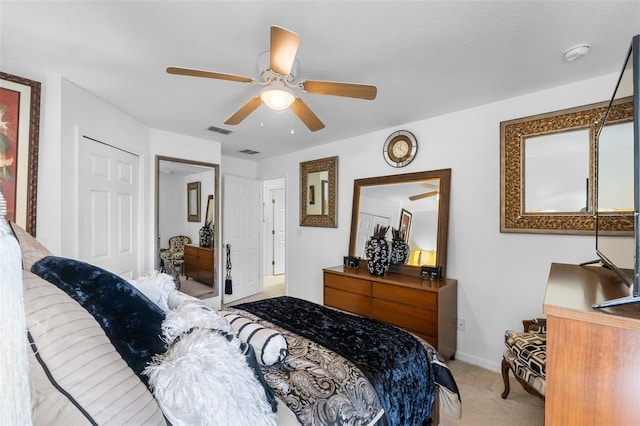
(526,357)
(175,253)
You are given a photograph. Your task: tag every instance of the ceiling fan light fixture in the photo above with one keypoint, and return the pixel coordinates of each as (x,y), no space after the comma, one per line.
(277,96)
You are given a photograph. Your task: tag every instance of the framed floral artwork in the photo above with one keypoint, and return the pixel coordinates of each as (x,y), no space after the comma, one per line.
(405,224)
(19,132)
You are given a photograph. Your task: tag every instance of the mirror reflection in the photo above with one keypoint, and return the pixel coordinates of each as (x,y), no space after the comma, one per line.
(318,198)
(208,219)
(172,175)
(411,207)
(615,168)
(415,202)
(557,172)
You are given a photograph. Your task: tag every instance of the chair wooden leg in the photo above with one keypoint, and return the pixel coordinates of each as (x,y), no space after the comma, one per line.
(505,377)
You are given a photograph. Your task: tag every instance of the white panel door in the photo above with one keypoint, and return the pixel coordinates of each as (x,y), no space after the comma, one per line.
(366,223)
(109,207)
(279,230)
(241,229)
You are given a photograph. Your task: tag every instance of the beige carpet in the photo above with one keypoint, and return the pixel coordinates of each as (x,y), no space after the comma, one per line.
(195,288)
(482,404)
(273,287)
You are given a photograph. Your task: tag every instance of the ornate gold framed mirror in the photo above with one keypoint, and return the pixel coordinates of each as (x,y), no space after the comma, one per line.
(548,170)
(417,202)
(318,183)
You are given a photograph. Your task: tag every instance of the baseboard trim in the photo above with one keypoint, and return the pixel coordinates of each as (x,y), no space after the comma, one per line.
(480,362)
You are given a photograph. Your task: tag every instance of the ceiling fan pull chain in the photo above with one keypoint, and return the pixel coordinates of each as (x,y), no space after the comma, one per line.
(261,120)
(292,131)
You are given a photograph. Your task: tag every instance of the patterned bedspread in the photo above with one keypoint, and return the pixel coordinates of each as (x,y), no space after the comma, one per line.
(346,369)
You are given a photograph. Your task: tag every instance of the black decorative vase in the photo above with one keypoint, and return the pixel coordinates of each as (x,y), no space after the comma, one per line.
(399,251)
(206,236)
(378,254)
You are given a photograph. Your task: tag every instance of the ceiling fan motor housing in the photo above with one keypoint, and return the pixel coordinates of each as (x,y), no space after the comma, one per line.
(266,74)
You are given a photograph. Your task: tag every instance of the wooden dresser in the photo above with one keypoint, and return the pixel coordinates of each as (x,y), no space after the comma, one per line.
(593,356)
(199,263)
(426,308)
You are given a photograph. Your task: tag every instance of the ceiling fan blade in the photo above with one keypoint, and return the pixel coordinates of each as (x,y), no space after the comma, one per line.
(348,90)
(283,49)
(423,195)
(307,116)
(209,74)
(244,111)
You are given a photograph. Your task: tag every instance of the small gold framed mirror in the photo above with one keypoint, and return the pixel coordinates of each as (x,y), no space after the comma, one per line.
(193,202)
(318,183)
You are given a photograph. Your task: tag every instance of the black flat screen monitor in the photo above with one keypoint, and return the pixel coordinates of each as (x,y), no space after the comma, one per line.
(618,180)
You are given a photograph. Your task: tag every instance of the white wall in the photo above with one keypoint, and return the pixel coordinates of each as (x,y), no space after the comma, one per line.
(172,205)
(501,277)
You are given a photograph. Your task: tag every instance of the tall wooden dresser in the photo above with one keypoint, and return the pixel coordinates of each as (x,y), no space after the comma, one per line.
(426,308)
(199,263)
(593,356)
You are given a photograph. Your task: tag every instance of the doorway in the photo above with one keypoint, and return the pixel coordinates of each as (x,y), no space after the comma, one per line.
(275,226)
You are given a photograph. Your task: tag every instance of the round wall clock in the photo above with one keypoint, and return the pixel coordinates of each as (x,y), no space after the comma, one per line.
(400,148)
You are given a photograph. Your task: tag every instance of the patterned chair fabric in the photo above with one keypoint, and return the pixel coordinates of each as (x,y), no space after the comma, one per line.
(526,357)
(169,269)
(175,253)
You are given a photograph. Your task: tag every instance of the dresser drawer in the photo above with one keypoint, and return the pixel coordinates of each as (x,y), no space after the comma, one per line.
(206,255)
(406,295)
(423,321)
(204,263)
(190,259)
(348,284)
(346,301)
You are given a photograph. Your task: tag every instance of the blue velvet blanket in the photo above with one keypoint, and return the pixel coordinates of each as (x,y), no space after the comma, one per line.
(395,362)
(130,320)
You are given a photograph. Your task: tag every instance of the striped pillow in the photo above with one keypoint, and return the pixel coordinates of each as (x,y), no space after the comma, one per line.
(76,374)
(269,345)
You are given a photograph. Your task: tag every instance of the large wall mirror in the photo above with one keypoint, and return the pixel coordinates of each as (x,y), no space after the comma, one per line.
(318,182)
(548,169)
(417,202)
(172,176)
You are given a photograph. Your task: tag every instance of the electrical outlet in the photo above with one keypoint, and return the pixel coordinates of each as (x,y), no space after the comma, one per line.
(461,324)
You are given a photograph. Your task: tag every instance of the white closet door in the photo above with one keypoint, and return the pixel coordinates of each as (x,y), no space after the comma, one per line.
(109,207)
(366,223)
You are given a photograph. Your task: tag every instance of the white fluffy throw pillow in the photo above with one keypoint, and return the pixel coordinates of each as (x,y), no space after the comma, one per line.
(203,378)
(161,290)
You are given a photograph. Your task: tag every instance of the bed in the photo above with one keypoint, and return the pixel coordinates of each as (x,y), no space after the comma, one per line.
(330,367)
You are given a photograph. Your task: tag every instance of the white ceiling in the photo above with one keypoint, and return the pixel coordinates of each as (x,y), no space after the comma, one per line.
(427,58)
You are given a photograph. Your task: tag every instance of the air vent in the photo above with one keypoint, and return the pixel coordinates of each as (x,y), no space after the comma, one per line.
(218,130)
(249,151)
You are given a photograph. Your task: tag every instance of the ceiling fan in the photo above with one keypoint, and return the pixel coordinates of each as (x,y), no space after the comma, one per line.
(423,195)
(435,189)
(277,69)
